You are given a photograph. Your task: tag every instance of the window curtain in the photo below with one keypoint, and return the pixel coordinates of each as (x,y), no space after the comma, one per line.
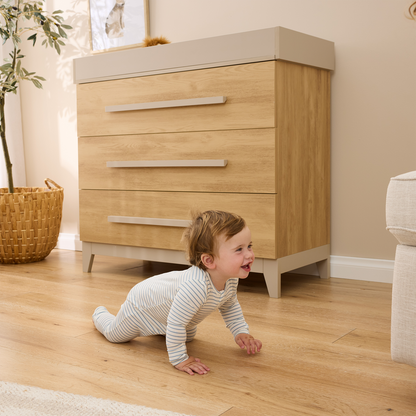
(14,136)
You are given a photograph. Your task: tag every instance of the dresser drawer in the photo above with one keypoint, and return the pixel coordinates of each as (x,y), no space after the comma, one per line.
(181,101)
(136,207)
(220,161)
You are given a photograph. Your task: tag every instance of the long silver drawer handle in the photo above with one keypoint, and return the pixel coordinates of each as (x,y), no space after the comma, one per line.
(166,104)
(164,222)
(220,163)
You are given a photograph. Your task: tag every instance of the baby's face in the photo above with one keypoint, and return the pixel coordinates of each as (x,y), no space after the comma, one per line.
(235,256)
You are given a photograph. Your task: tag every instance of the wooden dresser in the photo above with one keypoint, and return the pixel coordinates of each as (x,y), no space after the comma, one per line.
(239,123)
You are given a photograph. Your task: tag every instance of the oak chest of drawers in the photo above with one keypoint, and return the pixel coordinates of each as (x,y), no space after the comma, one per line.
(220,123)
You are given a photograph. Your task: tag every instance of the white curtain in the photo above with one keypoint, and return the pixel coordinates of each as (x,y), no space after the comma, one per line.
(14,136)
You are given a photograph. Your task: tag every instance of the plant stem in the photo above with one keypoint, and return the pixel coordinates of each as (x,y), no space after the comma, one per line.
(7,160)
(5,147)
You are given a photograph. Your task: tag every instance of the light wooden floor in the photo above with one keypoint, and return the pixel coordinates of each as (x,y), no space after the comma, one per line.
(326,345)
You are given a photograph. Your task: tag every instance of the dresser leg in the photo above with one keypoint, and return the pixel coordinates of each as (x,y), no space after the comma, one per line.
(87,257)
(272,277)
(324,268)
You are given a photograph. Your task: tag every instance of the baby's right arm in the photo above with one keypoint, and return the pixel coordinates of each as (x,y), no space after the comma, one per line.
(186,304)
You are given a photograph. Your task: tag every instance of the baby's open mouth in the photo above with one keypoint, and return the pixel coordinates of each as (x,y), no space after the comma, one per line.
(247,267)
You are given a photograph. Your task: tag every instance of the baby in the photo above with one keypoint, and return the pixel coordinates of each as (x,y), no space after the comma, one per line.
(220,251)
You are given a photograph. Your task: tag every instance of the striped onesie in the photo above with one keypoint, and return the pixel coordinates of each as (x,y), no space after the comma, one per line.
(172,304)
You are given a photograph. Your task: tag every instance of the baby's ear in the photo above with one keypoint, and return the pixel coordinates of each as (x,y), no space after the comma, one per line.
(208,261)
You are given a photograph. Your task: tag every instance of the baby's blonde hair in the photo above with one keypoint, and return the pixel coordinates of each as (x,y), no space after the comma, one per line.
(202,234)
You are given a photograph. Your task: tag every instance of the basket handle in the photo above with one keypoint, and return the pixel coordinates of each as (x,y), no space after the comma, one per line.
(47,180)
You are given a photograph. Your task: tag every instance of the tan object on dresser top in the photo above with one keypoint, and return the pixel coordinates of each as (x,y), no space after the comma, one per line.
(237,122)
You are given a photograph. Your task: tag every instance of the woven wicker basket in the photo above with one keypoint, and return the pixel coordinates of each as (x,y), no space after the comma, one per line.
(30,222)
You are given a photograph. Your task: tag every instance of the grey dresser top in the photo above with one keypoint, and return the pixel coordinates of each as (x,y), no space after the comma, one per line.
(276,43)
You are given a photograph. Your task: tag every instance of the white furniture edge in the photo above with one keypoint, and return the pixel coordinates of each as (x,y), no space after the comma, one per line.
(356,268)
(69,241)
(277,43)
(272,269)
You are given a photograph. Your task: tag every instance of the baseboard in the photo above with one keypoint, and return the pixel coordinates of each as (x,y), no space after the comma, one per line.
(370,270)
(355,268)
(69,242)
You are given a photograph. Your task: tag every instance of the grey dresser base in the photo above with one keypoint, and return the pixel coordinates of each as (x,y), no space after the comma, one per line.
(271,269)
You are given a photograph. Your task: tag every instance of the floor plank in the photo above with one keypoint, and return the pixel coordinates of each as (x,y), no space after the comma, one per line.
(326,344)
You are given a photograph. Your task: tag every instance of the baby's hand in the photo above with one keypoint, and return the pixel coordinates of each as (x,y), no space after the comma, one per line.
(192,365)
(247,341)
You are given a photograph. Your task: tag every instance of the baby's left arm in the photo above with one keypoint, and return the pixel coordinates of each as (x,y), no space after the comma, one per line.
(250,343)
(234,319)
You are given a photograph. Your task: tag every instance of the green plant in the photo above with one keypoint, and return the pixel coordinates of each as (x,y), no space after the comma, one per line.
(15,15)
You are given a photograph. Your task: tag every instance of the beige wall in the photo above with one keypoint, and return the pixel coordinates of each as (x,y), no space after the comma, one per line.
(49,115)
(373,99)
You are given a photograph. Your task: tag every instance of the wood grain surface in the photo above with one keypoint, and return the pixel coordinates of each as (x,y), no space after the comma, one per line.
(325,344)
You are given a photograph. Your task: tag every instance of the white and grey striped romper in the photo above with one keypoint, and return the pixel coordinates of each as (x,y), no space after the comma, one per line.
(172,304)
